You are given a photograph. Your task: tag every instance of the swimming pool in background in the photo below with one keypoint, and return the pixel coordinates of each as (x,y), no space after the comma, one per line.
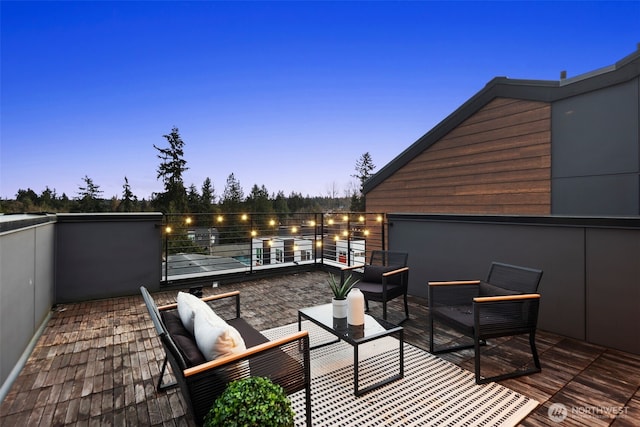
(245,259)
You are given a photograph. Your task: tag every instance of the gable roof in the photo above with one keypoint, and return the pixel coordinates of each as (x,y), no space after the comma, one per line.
(502,87)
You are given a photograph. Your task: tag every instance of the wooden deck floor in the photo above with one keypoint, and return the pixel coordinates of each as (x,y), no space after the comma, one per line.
(97,363)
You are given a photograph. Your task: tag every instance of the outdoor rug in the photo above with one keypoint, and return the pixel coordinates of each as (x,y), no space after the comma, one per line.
(433,392)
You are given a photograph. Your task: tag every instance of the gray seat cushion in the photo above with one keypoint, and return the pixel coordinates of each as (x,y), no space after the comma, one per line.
(373,274)
(182,338)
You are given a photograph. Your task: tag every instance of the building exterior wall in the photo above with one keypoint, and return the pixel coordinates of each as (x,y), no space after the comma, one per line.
(498,161)
(595,158)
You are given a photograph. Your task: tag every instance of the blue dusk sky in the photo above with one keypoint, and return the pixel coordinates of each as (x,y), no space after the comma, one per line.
(282,94)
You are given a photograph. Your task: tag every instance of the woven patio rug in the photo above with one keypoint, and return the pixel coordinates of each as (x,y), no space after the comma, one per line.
(433,392)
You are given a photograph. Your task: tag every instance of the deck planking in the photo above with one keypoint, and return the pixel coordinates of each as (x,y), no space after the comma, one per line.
(97,362)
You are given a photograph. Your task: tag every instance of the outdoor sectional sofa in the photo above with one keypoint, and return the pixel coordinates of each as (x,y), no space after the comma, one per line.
(285,361)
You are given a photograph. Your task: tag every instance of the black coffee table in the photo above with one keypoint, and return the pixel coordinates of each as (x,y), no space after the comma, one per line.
(373,329)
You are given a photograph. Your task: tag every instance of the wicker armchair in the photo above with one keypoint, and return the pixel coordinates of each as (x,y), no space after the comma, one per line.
(285,361)
(506,304)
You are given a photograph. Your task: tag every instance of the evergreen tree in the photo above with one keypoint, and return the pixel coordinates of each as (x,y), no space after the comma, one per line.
(89,196)
(207,196)
(236,229)
(28,199)
(295,202)
(233,195)
(364,169)
(193,199)
(258,200)
(48,200)
(128,199)
(170,170)
(63,203)
(280,205)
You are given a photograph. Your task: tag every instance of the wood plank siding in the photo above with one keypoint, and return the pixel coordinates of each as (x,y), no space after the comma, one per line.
(498,161)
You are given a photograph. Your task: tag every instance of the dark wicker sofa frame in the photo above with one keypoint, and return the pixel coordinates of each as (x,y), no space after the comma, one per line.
(506,304)
(286,361)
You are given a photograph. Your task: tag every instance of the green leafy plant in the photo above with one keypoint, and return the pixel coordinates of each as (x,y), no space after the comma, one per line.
(340,290)
(251,402)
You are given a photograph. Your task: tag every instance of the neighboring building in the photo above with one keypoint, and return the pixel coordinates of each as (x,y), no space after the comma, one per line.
(350,252)
(278,250)
(526,147)
(204,237)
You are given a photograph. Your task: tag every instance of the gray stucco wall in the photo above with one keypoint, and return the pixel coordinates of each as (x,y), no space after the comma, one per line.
(103,256)
(591,282)
(26,284)
(595,152)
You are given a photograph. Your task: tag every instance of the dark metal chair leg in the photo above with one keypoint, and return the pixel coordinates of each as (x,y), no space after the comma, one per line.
(406,306)
(477,359)
(534,351)
(430,333)
(162,387)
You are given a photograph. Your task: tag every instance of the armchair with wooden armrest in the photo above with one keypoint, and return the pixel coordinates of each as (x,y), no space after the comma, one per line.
(385,278)
(506,304)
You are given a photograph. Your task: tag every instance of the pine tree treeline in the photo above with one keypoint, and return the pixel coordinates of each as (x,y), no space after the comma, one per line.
(176,198)
(28,201)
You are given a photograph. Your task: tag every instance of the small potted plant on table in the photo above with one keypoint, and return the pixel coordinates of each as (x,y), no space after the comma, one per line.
(340,292)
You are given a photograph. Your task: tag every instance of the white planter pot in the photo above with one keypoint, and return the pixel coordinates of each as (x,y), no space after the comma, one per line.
(339,308)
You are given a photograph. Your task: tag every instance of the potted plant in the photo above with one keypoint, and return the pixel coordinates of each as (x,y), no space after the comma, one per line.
(340,292)
(251,402)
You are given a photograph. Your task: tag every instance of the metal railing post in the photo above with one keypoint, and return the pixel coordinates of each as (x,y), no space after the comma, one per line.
(348,240)
(251,243)
(166,256)
(322,239)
